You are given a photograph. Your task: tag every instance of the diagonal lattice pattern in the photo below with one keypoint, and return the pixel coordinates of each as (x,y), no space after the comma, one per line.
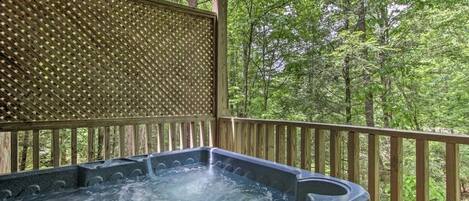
(95,59)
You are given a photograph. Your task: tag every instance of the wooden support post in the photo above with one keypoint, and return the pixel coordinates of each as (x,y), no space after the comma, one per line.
(320,152)
(280,144)
(36,150)
(73,146)
(335,155)
(14,151)
(55,148)
(396,169)
(291,146)
(220,7)
(421,170)
(306,148)
(373,166)
(353,157)
(452,172)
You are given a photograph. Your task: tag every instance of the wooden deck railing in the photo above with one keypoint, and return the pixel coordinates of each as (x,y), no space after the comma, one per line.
(277,140)
(134,136)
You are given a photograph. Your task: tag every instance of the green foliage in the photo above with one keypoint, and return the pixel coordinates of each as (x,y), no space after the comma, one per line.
(416,52)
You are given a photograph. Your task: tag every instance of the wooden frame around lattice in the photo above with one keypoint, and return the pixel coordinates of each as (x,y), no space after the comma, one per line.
(63,60)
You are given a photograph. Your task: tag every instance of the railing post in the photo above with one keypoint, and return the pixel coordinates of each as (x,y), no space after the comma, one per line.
(320,152)
(373,166)
(396,169)
(254,142)
(452,172)
(421,170)
(261,141)
(107,142)
(220,7)
(353,157)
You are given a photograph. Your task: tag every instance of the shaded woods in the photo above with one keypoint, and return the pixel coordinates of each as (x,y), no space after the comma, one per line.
(395,64)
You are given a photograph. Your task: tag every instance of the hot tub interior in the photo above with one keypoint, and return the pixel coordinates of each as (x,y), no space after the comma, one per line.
(196,174)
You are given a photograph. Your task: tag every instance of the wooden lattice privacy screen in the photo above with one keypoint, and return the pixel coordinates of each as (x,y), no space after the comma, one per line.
(104,59)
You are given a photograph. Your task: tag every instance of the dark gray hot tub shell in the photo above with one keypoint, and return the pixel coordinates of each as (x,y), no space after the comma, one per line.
(300,184)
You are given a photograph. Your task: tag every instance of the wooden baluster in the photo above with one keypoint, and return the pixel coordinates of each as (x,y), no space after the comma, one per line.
(171,137)
(246,138)
(14,151)
(320,151)
(122,141)
(270,142)
(191,134)
(421,170)
(261,143)
(253,136)
(212,139)
(335,155)
(291,145)
(223,134)
(201,133)
(55,148)
(373,167)
(107,143)
(90,144)
(306,148)
(148,144)
(160,138)
(452,172)
(182,130)
(353,146)
(396,169)
(280,144)
(136,140)
(36,150)
(238,137)
(74,146)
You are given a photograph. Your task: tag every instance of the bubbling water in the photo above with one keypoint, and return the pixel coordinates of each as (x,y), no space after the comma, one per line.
(184,183)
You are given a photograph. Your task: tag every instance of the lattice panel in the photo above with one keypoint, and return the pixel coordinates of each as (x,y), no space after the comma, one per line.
(95,59)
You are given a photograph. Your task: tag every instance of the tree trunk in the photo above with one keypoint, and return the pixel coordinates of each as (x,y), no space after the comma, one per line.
(246,62)
(346,71)
(361,25)
(24,151)
(385,78)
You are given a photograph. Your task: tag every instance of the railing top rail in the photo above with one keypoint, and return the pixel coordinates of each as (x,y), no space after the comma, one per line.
(43,125)
(431,136)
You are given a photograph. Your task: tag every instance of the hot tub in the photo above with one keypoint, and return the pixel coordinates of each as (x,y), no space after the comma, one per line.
(201,174)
